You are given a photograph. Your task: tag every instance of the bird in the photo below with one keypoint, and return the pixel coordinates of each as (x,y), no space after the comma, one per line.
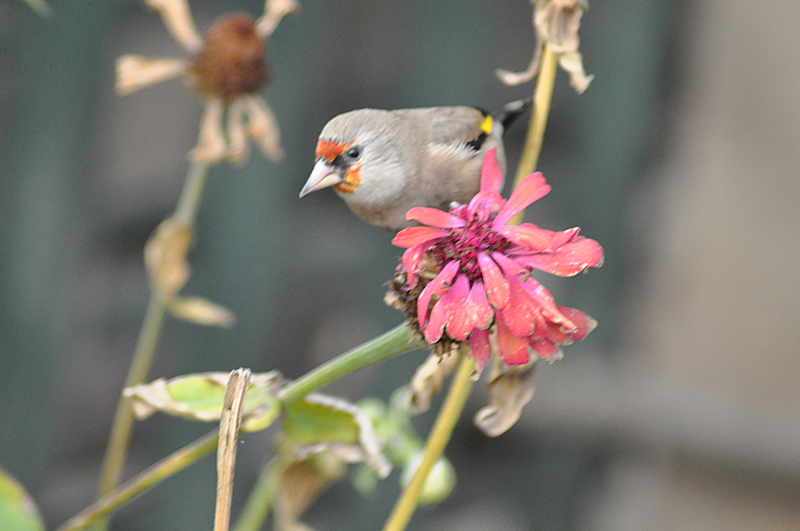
(384,162)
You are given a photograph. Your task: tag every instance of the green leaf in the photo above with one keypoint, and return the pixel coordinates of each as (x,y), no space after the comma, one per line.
(17,510)
(199,397)
(320,423)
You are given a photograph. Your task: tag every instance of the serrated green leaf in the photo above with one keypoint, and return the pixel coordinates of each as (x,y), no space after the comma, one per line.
(200,396)
(17,510)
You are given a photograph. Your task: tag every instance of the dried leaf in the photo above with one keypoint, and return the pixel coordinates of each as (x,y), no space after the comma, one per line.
(428,379)
(510,388)
(165,256)
(201,311)
(200,397)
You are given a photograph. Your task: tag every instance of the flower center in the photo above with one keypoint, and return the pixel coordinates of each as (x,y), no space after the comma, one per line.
(465,243)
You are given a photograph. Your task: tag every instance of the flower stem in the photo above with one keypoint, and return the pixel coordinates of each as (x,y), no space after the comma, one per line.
(122,426)
(150,477)
(262,496)
(541,108)
(437,440)
(396,341)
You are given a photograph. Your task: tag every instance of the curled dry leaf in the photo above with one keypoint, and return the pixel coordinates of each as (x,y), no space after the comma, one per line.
(201,311)
(510,388)
(165,256)
(429,378)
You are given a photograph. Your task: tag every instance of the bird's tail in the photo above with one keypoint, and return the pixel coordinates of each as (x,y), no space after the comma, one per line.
(511,111)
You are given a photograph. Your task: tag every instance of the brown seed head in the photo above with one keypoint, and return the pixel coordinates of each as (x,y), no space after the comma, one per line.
(232,60)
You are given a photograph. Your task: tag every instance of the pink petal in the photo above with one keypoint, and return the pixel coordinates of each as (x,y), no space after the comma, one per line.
(481,349)
(510,266)
(486,200)
(437,286)
(412,258)
(478,306)
(583,323)
(532,188)
(496,284)
(565,236)
(521,312)
(544,300)
(417,236)
(546,350)
(491,176)
(568,260)
(460,320)
(434,217)
(513,349)
(528,236)
(435,327)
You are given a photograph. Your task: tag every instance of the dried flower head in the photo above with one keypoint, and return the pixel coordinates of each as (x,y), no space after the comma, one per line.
(557,23)
(228,69)
(466,275)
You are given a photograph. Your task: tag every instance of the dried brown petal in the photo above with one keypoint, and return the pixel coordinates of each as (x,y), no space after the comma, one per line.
(211,146)
(274,12)
(178,19)
(135,72)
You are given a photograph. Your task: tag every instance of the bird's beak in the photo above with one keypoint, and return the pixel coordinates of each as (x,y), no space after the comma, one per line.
(322,176)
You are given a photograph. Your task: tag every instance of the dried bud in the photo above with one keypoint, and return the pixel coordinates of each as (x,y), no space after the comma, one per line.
(231,62)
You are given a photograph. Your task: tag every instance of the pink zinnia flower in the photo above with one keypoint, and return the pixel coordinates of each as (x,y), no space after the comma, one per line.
(483,268)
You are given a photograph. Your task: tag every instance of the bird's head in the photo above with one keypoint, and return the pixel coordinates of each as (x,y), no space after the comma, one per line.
(357,155)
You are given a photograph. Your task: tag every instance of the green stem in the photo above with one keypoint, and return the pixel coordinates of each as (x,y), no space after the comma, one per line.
(541,108)
(122,426)
(396,341)
(437,440)
(149,478)
(262,496)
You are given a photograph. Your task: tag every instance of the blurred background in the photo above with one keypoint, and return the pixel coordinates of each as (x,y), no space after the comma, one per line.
(680,412)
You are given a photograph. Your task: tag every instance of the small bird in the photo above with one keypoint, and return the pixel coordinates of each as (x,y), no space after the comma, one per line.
(382,163)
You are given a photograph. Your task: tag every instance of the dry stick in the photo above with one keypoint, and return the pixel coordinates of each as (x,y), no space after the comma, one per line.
(122,426)
(461,384)
(229,423)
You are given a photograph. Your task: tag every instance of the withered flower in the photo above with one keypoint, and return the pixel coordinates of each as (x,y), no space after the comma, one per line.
(227,70)
(557,23)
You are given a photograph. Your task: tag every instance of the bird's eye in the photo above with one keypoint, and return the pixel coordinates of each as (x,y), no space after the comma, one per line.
(353,152)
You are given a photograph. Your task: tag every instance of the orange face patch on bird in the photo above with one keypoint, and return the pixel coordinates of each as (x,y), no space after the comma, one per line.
(336,166)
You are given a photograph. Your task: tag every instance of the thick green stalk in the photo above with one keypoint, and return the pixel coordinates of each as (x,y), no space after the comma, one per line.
(437,440)
(122,426)
(396,341)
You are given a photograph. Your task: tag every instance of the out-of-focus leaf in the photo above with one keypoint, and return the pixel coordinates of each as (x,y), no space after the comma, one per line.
(17,510)
(319,422)
(40,6)
(201,311)
(200,397)
(165,256)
